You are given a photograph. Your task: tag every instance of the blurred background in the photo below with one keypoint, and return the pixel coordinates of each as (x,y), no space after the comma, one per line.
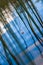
(21,32)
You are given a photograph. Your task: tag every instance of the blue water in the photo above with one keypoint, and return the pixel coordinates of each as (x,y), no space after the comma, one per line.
(19,30)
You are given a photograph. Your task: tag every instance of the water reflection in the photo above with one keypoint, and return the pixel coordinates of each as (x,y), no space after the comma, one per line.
(19,29)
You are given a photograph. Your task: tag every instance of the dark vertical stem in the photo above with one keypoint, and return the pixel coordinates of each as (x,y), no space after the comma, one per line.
(37,13)
(9,50)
